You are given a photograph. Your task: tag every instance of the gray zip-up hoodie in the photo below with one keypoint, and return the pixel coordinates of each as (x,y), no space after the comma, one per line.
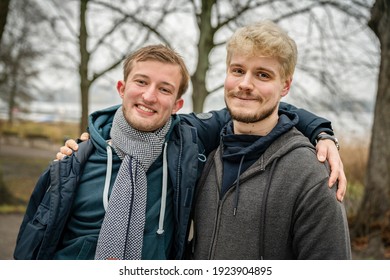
(285,209)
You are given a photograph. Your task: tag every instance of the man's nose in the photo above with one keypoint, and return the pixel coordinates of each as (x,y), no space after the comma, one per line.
(150,94)
(246,83)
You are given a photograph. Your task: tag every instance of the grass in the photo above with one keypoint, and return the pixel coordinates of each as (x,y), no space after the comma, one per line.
(19,173)
(354,157)
(54,132)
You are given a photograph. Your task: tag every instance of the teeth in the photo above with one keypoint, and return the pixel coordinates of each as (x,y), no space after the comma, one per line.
(143,108)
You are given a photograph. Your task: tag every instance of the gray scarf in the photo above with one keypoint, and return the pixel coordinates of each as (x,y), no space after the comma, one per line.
(121,234)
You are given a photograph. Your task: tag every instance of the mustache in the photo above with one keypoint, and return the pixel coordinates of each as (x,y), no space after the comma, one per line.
(244,95)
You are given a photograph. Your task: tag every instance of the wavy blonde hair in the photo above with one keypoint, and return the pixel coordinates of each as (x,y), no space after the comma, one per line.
(265,38)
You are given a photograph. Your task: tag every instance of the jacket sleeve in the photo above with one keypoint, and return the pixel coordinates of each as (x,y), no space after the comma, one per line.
(31,230)
(309,124)
(208,126)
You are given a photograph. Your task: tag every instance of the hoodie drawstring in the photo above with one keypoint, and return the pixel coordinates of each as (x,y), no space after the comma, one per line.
(238,186)
(164,191)
(108,177)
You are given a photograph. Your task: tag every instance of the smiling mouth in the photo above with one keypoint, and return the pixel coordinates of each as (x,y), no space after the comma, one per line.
(145,109)
(243,98)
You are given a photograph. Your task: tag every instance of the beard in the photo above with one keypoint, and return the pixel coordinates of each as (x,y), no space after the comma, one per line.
(240,115)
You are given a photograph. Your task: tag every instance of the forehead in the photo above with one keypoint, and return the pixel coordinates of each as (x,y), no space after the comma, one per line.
(157,71)
(251,61)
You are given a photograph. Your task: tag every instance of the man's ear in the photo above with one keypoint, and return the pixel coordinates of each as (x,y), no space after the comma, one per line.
(178,105)
(286,87)
(120,87)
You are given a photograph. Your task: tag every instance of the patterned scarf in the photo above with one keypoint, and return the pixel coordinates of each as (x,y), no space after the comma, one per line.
(121,235)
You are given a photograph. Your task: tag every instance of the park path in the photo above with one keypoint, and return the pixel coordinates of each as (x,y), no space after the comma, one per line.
(9,227)
(10,223)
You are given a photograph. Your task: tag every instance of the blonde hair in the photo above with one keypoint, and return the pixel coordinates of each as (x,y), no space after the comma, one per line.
(265,38)
(162,54)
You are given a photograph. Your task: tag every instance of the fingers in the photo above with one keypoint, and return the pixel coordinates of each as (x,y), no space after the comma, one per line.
(60,156)
(326,149)
(67,150)
(64,151)
(84,136)
(335,169)
(322,150)
(337,175)
(342,186)
(71,145)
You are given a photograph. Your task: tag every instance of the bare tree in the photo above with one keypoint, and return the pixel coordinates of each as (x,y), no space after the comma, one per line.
(373,218)
(4,8)
(18,56)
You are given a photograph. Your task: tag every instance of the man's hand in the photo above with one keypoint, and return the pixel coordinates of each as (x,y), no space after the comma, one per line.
(326,149)
(70,146)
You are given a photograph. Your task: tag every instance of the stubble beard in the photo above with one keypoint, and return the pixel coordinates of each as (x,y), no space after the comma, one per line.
(241,116)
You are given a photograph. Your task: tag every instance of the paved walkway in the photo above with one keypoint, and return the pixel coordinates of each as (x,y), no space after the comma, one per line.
(9,228)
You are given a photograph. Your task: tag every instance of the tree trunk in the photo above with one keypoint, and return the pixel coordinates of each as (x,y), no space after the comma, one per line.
(4,7)
(83,66)
(205,45)
(11,104)
(374,213)
(85,83)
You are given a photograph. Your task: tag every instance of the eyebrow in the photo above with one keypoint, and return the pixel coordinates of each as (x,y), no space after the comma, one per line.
(257,69)
(147,77)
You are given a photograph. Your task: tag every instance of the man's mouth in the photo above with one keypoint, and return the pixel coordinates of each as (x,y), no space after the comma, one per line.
(143,108)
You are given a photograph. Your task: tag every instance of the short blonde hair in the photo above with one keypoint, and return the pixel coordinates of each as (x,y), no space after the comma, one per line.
(162,54)
(265,38)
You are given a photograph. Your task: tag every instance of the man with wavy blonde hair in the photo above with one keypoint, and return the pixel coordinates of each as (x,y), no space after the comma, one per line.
(264,194)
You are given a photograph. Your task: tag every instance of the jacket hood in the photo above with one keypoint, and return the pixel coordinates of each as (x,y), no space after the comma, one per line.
(99,126)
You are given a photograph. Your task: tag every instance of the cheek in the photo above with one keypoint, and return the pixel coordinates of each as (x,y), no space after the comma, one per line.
(167,104)
(271,90)
(229,84)
(130,93)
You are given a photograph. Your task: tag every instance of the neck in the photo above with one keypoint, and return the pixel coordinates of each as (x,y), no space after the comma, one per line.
(261,128)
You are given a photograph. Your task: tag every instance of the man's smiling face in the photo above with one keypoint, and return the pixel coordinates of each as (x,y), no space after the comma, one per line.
(149,94)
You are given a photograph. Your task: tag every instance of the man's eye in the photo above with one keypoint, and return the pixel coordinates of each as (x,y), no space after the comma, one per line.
(165,90)
(237,71)
(140,82)
(263,76)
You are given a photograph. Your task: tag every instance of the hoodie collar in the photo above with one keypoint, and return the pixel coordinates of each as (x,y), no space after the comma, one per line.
(235,146)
